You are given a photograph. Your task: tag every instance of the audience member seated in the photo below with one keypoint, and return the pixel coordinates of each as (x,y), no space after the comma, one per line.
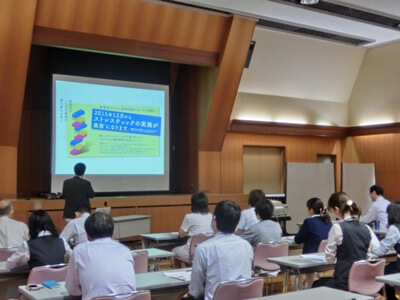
(199,221)
(45,247)
(348,241)
(392,239)
(102,266)
(74,232)
(313,230)
(248,216)
(225,257)
(12,232)
(266,230)
(378,208)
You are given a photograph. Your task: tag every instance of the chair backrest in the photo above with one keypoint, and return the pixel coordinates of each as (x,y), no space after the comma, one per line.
(362,277)
(39,274)
(268,250)
(322,246)
(198,239)
(6,253)
(139,295)
(240,289)
(141,260)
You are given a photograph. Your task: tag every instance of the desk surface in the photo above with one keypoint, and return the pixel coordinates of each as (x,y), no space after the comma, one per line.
(16,271)
(392,279)
(59,293)
(153,281)
(157,280)
(317,294)
(130,217)
(155,253)
(164,236)
(298,263)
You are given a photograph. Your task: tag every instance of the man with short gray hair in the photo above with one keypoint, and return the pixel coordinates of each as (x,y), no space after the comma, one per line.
(12,232)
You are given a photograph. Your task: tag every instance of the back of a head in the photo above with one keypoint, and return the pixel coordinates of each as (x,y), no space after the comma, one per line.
(199,203)
(344,203)
(6,207)
(39,220)
(265,209)
(377,189)
(393,211)
(227,215)
(99,225)
(255,196)
(318,208)
(80,169)
(82,209)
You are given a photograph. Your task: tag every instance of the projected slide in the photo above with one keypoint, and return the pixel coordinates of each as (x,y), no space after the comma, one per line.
(114,127)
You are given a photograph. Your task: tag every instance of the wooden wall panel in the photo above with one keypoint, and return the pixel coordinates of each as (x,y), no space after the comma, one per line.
(210,171)
(149,24)
(383,151)
(167,211)
(226,87)
(8,171)
(16,26)
(297,149)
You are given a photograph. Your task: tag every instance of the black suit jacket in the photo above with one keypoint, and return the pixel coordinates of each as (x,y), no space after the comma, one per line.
(76,192)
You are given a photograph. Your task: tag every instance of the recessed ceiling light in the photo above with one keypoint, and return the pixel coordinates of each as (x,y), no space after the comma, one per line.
(309,2)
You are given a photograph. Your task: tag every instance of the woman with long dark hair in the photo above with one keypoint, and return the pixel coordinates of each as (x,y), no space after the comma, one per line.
(313,230)
(349,240)
(44,247)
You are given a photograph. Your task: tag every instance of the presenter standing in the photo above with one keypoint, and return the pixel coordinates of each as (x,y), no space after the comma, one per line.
(76,192)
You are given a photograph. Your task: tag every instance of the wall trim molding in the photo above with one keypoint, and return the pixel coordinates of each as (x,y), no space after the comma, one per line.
(273,128)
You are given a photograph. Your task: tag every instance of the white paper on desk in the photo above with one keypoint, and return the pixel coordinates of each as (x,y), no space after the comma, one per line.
(184,275)
(289,239)
(314,256)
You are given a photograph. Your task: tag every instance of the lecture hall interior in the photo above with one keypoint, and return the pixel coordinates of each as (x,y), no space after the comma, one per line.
(305,96)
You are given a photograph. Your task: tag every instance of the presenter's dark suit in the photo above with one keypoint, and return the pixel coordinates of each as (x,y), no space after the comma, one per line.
(76,192)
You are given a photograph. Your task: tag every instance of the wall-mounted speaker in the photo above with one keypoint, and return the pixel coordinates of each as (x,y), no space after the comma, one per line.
(250,54)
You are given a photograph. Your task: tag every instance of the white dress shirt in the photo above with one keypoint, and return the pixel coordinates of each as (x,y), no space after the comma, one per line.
(193,224)
(102,267)
(75,230)
(225,257)
(12,232)
(335,239)
(392,237)
(377,211)
(23,255)
(248,217)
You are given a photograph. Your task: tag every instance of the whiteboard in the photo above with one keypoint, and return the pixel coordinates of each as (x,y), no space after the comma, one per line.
(305,181)
(356,181)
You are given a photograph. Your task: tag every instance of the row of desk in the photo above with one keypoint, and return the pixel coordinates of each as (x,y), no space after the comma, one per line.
(166,284)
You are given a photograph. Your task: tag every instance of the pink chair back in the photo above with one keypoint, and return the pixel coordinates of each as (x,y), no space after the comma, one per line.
(322,246)
(264,251)
(141,260)
(6,253)
(198,239)
(362,277)
(39,274)
(240,289)
(139,295)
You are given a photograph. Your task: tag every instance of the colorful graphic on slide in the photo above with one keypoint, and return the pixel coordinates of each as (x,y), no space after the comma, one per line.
(113,130)
(79,125)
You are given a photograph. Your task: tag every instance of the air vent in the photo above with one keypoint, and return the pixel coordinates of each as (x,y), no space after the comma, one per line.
(349,12)
(312,33)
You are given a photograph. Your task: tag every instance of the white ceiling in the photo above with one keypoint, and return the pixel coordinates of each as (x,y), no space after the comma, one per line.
(295,15)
